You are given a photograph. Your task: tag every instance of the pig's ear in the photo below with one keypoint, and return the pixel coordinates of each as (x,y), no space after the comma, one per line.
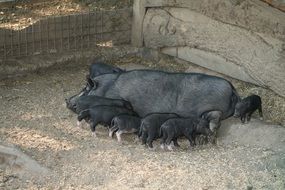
(95,84)
(117,70)
(90,82)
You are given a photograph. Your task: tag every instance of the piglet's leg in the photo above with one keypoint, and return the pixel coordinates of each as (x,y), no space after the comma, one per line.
(92,126)
(249,116)
(144,137)
(260,112)
(175,142)
(168,142)
(79,124)
(242,118)
(169,147)
(214,117)
(150,140)
(163,140)
(94,134)
(212,138)
(118,134)
(112,130)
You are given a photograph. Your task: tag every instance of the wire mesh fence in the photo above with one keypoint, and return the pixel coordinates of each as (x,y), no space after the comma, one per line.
(76,32)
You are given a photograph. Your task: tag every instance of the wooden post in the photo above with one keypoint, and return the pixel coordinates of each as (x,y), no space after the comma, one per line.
(139,10)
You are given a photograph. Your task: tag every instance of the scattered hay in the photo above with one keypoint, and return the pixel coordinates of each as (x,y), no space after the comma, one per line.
(31,138)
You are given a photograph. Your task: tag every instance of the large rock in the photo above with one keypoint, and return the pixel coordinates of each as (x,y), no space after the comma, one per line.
(256,133)
(20,164)
(225,48)
(241,39)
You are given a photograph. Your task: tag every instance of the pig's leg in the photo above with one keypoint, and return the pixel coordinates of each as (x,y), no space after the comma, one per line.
(112,130)
(118,134)
(168,141)
(248,117)
(242,118)
(214,118)
(163,139)
(150,139)
(175,142)
(144,137)
(93,126)
(191,139)
(260,112)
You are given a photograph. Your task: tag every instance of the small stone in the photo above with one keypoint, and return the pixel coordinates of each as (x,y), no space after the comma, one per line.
(249,187)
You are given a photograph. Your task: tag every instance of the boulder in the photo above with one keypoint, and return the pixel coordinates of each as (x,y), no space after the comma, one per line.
(243,39)
(228,49)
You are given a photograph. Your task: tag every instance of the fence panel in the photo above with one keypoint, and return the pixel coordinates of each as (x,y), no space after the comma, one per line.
(76,32)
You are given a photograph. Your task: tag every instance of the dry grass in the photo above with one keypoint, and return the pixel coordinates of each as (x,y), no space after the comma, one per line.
(19,15)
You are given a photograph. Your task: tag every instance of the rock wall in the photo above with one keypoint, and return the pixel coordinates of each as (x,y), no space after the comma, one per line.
(243,39)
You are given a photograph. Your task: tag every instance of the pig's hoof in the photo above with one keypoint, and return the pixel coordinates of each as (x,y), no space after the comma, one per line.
(119,137)
(162,146)
(79,124)
(151,148)
(261,118)
(110,134)
(169,147)
(201,140)
(93,134)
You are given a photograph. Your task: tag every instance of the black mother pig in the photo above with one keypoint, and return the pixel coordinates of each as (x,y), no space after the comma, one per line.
(245,108)
(186,94)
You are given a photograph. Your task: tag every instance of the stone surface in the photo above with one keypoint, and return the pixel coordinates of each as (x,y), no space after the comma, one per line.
(253,15)
(256,133)
(209,60)
(229,49)
(20,164)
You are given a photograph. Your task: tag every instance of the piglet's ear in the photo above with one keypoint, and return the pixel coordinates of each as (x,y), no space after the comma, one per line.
(90,82)
(95,84)
(248,103)
(117,70)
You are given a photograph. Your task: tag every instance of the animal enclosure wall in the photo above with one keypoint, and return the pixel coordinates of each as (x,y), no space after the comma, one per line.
(242,39)
(74,32)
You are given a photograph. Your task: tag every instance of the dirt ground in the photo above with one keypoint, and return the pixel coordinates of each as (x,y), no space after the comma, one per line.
(35,119)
